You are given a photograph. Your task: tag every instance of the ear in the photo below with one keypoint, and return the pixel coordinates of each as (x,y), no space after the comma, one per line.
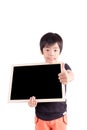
(41,52)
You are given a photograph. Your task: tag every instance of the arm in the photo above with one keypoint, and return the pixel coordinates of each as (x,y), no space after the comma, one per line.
(70,75)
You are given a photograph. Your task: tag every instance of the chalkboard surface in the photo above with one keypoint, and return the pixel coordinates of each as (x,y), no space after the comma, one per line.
(39,80)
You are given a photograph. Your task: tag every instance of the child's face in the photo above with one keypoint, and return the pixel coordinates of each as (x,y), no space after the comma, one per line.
(51,53)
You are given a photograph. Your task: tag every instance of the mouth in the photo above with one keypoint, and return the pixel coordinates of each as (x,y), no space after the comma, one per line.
(51,59)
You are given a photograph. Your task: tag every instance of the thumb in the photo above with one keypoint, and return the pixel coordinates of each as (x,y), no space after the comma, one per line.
(62,67)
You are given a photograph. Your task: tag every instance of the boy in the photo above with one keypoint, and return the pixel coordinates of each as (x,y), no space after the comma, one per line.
(52,115)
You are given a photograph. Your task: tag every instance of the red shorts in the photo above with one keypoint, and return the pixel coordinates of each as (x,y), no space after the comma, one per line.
(57,124)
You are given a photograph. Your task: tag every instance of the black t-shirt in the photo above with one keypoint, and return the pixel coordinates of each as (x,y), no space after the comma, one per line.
(51,110)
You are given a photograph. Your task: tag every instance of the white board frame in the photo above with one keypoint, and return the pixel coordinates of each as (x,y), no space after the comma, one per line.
(62,99)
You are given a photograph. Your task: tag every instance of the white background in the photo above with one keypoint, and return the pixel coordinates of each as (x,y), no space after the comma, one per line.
(22,23)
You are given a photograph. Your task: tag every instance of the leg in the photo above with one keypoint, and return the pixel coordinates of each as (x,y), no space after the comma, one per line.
(59,124)
(41,124)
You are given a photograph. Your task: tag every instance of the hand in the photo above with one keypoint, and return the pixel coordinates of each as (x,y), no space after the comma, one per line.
(63,76)
(32,102)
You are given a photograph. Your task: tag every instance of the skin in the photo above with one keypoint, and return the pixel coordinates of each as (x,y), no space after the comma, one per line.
(51,55)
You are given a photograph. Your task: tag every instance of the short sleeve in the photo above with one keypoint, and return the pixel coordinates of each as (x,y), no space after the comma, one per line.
(67,67)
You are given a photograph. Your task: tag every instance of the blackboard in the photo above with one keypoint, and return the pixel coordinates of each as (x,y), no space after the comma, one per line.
(39,80)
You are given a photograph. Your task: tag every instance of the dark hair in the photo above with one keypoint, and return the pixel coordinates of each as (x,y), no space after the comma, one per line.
(50,39)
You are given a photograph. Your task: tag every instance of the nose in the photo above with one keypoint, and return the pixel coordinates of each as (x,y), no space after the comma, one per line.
(51,53)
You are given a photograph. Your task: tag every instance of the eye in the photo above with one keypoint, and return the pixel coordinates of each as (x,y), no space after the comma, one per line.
(55,50)
(47,49)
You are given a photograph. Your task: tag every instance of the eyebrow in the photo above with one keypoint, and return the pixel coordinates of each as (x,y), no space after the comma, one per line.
(53,47)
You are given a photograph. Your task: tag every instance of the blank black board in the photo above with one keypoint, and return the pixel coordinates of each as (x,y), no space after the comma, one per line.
(39,80)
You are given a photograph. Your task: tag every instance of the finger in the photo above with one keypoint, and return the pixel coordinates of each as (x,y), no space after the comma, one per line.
(62,67)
